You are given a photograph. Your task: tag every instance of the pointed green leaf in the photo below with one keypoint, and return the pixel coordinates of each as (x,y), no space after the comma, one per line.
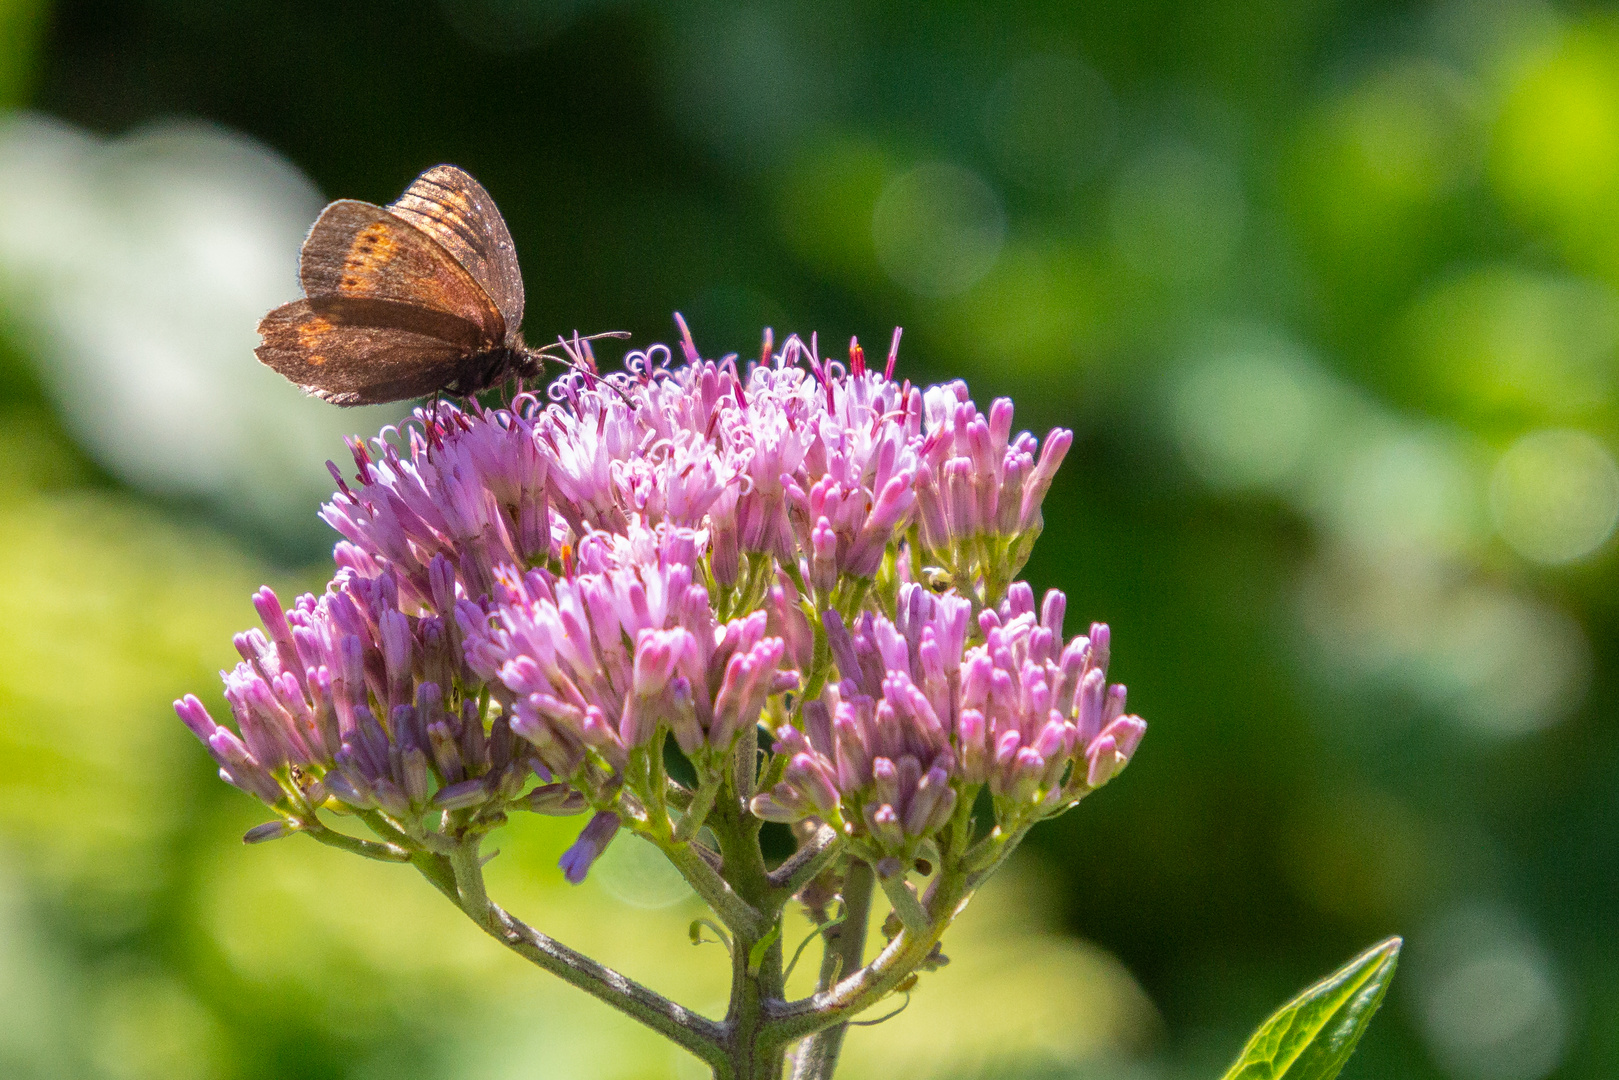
(1312,1036)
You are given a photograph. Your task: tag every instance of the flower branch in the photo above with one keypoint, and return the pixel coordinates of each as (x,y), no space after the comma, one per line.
(370,849)
(810,859)
(871,983)
(742,918)
(680,1025)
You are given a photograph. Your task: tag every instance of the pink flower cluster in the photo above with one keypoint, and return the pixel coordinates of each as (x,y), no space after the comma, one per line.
(597,661)
(540,594)
(347,697)
(919,714)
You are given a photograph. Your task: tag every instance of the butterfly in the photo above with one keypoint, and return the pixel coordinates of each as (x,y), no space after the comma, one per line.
(418,297)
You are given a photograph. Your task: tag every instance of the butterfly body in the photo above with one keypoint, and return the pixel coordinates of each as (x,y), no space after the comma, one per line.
(416,298)
(478,371)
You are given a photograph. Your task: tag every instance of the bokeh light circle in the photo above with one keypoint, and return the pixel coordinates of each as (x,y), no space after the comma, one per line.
(634,872)
(1177,214)
(938,229)
(1489,999)
(1244,413)
(1554,495)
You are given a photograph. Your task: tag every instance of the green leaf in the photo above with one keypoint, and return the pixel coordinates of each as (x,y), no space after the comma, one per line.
(1312,1036)
(756,955)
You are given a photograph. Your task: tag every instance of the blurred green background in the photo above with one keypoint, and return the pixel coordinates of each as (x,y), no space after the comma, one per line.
(1328,291)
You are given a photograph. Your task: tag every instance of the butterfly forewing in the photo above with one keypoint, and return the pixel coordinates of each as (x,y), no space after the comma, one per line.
(354,364)
(358,251)
(454,209)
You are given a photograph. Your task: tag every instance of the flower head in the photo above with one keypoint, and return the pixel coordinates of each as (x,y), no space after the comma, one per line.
(595,663)
(346,697)
(876,755)
(681,549)
(468,486)
(979,491)
(1039,722)
(860,478)
(642,446)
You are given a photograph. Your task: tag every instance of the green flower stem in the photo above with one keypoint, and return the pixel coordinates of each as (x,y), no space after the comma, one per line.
(907,906)
(737,832)
(773,771)
(743,919)
(845,951)
(986,856)
(386,829)
(697,1034)
(756,984)
(865,987)
(658,781)
(959,832)
(696,810)
(468,868)
(754,1052)
(343,841)
(747,762)
(820,663)
(676,796)
(809,860)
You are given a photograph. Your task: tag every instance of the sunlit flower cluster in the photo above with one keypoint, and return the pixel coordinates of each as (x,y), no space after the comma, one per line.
(540,606)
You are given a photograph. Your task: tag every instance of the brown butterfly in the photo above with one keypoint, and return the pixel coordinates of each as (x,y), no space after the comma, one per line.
(407,300)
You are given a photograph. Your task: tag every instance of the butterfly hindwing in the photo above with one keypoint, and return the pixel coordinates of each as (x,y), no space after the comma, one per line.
(454,209)
(351,363)
(358,251)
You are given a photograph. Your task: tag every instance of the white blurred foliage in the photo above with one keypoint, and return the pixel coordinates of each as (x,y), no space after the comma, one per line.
(1489,1001)
(136,270)
(1397,597)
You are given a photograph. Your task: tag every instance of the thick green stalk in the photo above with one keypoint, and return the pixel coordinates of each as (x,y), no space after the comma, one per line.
(753,1051)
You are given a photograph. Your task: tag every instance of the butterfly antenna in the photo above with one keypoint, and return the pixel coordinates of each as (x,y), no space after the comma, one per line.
(564,343)
(581,352)
(578,355)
